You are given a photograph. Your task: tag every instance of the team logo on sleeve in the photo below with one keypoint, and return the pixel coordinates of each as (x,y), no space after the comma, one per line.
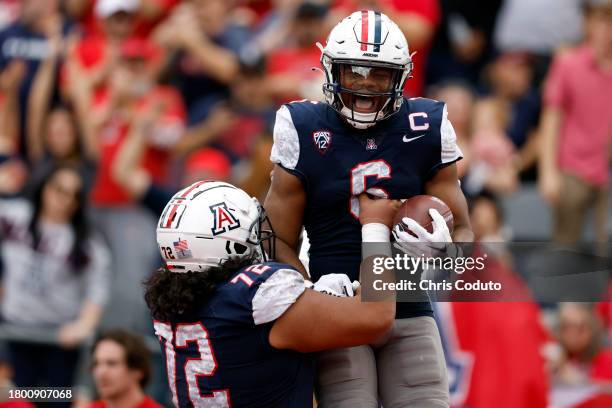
(224,220)
(322,140)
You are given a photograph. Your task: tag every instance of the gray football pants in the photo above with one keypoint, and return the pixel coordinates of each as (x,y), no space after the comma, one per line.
(404,369)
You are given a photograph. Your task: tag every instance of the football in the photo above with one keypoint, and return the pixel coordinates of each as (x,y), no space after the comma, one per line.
(417,208)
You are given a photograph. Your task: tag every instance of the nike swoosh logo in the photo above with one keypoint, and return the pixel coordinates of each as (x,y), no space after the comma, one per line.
(408,140)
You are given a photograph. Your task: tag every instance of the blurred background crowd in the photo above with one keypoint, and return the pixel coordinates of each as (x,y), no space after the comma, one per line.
(109,106)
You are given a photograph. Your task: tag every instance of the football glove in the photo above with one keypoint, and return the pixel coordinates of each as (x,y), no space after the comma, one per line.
(335,284)
(424,243)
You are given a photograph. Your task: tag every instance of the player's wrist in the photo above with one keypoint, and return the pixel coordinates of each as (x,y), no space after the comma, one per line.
(375,232)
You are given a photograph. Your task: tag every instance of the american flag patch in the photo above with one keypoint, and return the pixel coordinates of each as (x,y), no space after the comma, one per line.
(182,249)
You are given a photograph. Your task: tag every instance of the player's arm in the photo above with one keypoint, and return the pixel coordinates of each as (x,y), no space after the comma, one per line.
(319,322)
(286,198)
(284,206)
(444,182)
(445,186)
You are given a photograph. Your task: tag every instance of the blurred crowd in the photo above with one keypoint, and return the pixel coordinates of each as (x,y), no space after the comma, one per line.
(109,106)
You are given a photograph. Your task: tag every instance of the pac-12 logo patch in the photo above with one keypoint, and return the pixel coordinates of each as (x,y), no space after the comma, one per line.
(322,139)
(224,220)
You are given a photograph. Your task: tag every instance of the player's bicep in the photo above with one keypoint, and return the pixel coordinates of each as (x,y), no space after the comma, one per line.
(285,204)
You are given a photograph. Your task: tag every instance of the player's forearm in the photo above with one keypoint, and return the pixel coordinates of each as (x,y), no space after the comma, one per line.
(445,186)
(367,322)
(318,322)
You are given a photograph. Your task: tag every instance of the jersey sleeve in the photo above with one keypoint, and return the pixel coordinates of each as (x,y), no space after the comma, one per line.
(449,152)
(276,295)
(260,294)
(286,147)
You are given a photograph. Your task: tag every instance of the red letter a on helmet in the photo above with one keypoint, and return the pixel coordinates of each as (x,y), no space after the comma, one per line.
(224,220)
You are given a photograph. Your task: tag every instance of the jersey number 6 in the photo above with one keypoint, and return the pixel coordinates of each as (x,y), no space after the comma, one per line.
(359,174)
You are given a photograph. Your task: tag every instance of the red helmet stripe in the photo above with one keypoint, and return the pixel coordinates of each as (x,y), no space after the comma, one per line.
(171,216)
(193,187)
(364,30)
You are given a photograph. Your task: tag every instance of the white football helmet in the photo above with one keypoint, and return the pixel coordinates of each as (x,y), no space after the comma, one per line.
(210,223)
(365,39)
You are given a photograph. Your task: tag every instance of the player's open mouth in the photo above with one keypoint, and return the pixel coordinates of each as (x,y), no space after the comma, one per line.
(364,104)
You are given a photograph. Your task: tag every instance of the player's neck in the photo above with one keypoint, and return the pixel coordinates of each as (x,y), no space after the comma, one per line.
(130,399)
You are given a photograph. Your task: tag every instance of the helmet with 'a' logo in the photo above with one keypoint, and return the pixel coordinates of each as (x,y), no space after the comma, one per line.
(210,223)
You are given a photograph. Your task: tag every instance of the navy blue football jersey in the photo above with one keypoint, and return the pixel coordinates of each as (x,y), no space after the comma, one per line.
(221,357)
(336,162)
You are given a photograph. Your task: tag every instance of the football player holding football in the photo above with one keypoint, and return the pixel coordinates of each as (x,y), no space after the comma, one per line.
(233,326)
(367,138)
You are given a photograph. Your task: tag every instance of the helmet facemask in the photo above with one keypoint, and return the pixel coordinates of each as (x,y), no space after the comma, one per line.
(352,102)
(262,236)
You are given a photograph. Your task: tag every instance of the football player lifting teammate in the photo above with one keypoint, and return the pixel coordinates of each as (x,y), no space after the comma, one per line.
(234,326)
(367,137)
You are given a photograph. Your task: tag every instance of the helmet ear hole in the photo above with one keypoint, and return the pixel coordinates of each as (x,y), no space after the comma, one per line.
(235,248)
(239,248)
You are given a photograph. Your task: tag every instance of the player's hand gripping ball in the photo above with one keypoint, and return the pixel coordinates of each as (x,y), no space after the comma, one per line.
(423,226)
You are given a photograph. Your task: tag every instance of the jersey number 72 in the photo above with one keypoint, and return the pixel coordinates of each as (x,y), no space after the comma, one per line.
(204,366)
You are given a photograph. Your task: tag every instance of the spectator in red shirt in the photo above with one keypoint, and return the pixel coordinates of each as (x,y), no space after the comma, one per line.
(583,358)
(98,51)
(150,13)
(576,129)
(418,19)
(133,93)
(121,369)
